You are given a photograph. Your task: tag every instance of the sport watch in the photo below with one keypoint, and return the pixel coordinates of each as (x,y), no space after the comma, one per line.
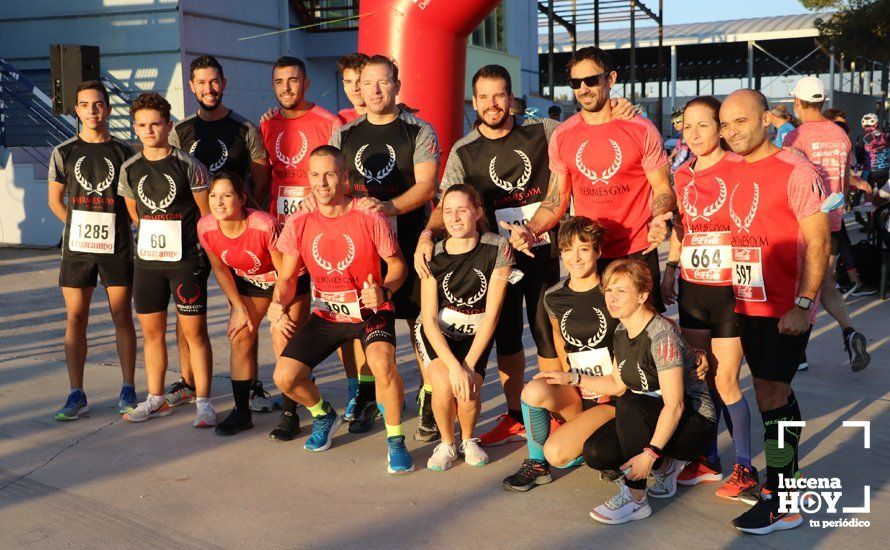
(803,303)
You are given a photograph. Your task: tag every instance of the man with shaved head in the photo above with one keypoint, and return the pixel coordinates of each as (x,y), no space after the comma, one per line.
(780,243)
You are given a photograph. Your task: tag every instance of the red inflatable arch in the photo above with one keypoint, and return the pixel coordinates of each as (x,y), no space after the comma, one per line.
(428,40)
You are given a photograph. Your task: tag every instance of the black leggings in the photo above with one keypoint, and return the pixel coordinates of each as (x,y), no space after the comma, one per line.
(630,431)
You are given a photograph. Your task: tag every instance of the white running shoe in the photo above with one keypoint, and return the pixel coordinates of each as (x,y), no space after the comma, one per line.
(145,411)
(206,416)
(666,478)
(622,508)
(443,457)
(473,453)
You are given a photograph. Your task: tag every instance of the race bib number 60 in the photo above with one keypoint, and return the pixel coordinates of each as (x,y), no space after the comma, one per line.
(160,240)
(747,275)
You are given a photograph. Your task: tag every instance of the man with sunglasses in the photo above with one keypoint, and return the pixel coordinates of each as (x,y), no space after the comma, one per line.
(614,171)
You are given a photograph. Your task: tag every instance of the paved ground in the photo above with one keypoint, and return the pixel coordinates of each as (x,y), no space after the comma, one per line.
(102,482)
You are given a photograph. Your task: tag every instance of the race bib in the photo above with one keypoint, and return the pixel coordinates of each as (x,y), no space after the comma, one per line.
(342,307)
(160,240)
(458,325)
(520,215)
(594,362)
(706,257)
(289,199)
(91,232)
(747,275)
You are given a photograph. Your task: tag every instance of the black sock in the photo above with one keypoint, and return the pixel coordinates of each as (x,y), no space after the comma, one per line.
(241,393)
(288,405)
(367,392)
(779,461)
(516,414)
(847,332)
(795,411)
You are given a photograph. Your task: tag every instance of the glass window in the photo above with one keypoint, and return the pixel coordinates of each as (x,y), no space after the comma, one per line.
(490,33)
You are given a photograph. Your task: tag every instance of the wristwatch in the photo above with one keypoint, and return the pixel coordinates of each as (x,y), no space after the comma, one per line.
(803,303)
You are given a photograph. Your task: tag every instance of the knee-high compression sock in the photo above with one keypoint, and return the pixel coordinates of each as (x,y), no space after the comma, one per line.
(795,410)
(739,416)
(241,393)
(779,461)
(367,389)
(537,430)
(712,453)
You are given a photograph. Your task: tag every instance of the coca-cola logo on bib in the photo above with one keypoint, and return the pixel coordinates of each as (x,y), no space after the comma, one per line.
(520,183)
(87,185)
(607,173)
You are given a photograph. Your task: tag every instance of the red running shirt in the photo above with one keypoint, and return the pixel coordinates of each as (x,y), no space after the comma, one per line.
(339,254)
(606,166)
(248,253)
(703,203)
(347,114)
(289,141)
(766,200)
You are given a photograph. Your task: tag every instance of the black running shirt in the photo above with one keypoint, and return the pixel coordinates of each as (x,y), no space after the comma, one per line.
(229,143)
(586,327)
(168,214)
(463,281)
(511,173)
(659,347)
(97,226)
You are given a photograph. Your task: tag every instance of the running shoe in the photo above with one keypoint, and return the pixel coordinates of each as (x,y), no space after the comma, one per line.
(366,414)
(75,406)
(845,289)
(237,421)
(857,349)
(180,393)
(443,457)
(665,479)
(205,416)
(323,430)
(505,431)
(398,459)
(622,508)
(349,412)
(741,480)
(765,517)
(700,471)
(473,453)
(610,476)
(752,496)
(260,399)
(858,290)
(530,474)
(803,365)
(144,411)
(128,400)
(288,427)
(427,430)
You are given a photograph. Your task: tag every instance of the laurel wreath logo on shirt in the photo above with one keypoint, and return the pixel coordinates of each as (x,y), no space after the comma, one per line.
(224,155)
(607,173)
(256,261)
(749,219)
(460,302)
(592,341)
(164,203)
(369,174)
(87,186)
(521,182)
(644,382)
(326,265)
(294,160)
(711,209)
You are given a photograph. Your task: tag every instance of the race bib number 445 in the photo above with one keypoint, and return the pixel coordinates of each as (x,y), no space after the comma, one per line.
(91,232)
(520,215)
(747,275)
(706,258)
(160,240)
(458,325)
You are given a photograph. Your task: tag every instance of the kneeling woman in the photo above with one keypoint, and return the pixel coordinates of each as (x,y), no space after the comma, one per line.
(664,416)
(582,331)
(240,244)
(460,305)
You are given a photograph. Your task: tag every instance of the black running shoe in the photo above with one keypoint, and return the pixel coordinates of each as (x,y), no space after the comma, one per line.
(765,517)
(857,349)
(530,474)
(427,430)
(365,415)
(237,421)
(288,427)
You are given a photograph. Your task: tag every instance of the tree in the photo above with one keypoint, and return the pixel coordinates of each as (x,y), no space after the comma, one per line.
(859,28)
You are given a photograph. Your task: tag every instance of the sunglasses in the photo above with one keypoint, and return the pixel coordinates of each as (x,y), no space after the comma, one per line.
(589,81)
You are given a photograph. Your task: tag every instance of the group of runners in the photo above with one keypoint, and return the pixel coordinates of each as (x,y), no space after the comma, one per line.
(334,226)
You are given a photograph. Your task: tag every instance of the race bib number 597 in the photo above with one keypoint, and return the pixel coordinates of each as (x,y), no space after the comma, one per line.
(747,275)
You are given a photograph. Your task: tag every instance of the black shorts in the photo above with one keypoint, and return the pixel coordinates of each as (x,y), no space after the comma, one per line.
(187,283)
(246,287)
(319,338)
(460,349)
(651,260)
(770,355)
(707,307)
(539,273)
(77,273)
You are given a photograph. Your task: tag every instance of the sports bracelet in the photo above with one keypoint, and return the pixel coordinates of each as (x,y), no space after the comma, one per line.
(576,378)
(653,451)
(673,265)
(426,233)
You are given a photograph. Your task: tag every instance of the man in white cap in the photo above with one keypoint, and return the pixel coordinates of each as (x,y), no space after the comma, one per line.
(827,146)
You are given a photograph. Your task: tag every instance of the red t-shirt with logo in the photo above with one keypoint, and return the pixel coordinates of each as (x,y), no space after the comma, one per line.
(289,141)
(703,204)
(766,200)
(347,114)
(339,254)
(606,166)
(248,254)
(827,146)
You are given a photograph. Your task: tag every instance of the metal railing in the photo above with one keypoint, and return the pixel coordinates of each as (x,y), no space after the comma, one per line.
(26,117)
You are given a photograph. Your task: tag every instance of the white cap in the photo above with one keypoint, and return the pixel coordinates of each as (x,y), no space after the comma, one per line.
(810,88)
